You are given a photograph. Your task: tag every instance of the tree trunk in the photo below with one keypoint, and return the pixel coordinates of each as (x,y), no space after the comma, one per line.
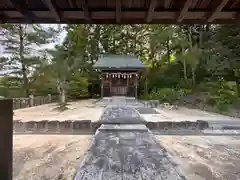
(184,68)
(23,65)
(63,98)
(238,87)
(168,51)
(193,77)
(146,86)
(62,94)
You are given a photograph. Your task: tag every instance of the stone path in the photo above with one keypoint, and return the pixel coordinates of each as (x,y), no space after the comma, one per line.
(125,152)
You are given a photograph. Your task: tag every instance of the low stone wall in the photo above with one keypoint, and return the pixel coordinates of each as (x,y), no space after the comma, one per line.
(19,103)
(55,127)
(165,125)
(86,126)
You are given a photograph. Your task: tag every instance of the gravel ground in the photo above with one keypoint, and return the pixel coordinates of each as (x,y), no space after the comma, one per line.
(183,113)
(79,110)
(52,157)
(205,158)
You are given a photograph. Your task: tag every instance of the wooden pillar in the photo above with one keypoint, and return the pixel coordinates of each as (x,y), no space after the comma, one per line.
(110,86)
(145,87)
(136,91)
(6,136)
(128,88)
(102,81)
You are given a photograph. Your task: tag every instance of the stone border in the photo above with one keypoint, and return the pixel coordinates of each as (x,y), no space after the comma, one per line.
(86,126)
(166,125)
(53,126)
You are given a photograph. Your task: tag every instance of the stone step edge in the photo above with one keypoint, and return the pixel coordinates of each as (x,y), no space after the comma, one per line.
(199,124)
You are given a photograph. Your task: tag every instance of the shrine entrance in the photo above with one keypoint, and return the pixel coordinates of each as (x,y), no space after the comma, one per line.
(119,75)
(119,83)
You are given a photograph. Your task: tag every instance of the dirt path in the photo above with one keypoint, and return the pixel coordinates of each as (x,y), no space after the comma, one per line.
(54,157)
(205,158)
(79,110)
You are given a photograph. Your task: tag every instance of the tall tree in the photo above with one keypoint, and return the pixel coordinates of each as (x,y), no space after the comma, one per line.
(20,42)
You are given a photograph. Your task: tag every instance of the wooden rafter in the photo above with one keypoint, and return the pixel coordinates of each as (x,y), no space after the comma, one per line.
(237,15)
(218,9)
(84,5)
(167,4)
(51,4)
(72,4)
(151,8)
(184,10)
(118,10)
(235,3)
(22,8)
(194,3)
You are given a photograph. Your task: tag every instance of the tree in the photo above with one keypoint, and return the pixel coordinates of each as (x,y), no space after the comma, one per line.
(20,42)
(225,54)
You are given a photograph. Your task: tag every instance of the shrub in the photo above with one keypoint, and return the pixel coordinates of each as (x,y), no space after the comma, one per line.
(164,95)
(221,107)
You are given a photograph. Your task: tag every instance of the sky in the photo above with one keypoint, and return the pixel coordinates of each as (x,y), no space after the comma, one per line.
(59,40)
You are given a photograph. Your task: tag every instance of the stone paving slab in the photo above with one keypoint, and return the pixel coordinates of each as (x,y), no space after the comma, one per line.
(126,155)
(125,151)
(121,114)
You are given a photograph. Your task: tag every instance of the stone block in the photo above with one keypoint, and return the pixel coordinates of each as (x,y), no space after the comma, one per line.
(53,126)
(30,126)
(82,124)
(202,124)
(18,126)
(42,126)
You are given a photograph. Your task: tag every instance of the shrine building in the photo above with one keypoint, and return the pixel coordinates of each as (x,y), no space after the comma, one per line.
(119,75)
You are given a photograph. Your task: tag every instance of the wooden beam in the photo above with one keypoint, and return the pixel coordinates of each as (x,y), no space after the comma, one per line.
(183,11)
(167,4)
(3,18)
(84,5)
(118,10)
(51,4)
(219,7)
(235,3)
(22,8)
(236,16)
(151,8)
(72,3)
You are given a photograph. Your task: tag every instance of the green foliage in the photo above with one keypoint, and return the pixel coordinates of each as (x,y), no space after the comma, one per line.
(78,86)
(181,60)
(164,95)
(221,95)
